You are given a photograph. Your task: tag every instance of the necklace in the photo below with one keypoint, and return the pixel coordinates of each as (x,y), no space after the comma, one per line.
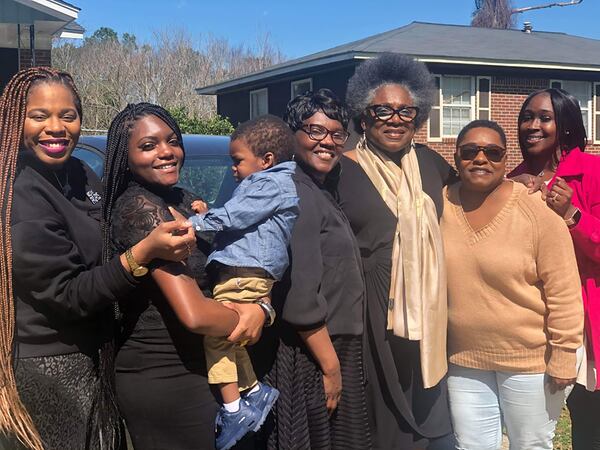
(65,188)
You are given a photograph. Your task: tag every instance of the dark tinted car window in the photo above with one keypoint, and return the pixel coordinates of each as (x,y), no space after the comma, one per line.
(92,158)
(207,176)
(206,171)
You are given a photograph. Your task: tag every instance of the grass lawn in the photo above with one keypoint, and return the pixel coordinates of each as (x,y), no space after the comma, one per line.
(562,440)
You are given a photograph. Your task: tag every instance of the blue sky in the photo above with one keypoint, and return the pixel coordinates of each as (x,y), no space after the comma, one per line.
(301,28)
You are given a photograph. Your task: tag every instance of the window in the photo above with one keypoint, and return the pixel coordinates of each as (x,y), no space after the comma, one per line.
(582,91)
(259,102)
(300,87)
(454,107)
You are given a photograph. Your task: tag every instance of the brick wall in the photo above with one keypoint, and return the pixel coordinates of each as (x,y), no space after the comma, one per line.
(42,58)
(508,94)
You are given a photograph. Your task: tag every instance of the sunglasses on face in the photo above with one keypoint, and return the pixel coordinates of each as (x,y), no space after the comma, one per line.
(493,153)
(318,133)
(386,112)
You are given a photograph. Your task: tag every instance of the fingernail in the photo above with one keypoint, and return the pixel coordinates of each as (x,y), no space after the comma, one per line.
(187,223)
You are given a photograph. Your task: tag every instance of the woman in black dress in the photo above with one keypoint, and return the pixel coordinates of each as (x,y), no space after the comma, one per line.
(161,379)
(391,191)
(57,304)
(318,368)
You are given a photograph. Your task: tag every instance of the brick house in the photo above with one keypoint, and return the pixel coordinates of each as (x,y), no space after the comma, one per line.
(480,73)
(27,28)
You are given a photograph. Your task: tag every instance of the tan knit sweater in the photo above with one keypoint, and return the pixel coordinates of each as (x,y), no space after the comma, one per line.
(514,294)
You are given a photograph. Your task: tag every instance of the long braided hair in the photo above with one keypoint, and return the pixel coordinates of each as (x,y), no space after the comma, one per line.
(116,172)
(14,418)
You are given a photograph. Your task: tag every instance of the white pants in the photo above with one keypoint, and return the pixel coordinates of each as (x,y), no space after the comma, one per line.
(481,400)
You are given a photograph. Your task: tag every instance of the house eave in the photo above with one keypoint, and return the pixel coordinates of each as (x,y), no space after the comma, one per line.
(60,10)
(263,76)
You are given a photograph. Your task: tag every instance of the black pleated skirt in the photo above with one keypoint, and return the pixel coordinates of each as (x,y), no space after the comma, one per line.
(299,419)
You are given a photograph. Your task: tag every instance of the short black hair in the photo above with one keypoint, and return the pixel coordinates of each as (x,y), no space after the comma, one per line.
(570,131)
(490,124)
(391,68)
(306,105)
(267,134)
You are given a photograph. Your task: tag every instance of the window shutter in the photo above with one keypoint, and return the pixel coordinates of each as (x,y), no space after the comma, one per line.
(484,98)
(435,116)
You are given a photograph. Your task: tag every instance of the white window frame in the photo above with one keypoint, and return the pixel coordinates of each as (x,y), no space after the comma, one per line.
(472,107)
(254,92)
(589,108)
(596,111)
(297,82)
(479,108)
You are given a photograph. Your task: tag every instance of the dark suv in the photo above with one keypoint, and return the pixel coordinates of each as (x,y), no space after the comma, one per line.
(206,172)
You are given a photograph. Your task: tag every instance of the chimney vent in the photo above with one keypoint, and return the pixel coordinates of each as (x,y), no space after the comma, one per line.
(527,27)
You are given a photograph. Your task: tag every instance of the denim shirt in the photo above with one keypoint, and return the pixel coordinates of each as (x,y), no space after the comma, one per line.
(254,227)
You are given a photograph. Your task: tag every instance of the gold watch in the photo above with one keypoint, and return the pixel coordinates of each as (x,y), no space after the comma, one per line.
(136,269)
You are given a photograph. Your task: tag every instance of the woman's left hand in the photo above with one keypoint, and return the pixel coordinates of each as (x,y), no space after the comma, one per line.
(559,197)
(250,325)
(559,384)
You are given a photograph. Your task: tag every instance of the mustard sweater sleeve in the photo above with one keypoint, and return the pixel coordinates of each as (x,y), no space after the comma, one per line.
(557,268)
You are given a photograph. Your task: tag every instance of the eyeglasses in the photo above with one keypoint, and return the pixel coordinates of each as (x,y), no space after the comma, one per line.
(493,153)
(386,112)
(318,133)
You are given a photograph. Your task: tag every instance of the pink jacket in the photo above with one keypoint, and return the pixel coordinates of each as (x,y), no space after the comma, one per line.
(581,171)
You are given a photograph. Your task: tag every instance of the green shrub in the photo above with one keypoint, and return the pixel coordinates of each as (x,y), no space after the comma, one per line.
(189,124)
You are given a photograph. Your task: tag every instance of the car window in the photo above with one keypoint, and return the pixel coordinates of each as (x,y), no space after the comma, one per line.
(92,158)
(210,177)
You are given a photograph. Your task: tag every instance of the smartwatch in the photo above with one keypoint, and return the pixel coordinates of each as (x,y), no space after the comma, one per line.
(269,312)
(574,219)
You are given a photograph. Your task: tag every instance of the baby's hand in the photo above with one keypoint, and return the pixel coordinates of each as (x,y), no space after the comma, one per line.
(199,206)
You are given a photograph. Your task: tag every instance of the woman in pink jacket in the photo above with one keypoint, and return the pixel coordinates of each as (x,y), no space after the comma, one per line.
(553,139)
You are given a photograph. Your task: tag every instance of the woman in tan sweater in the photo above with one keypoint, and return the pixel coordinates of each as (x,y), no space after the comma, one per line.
(514,301)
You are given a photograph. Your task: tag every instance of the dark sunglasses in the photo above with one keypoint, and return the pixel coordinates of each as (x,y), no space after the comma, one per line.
(493,153)
(386,112)
(318,133)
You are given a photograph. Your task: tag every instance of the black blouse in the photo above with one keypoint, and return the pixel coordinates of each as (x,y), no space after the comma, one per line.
(372,221)
(63,296)
(324,283)
(146,311)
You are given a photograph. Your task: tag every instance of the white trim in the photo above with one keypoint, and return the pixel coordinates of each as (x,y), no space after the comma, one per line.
(71,35)
(439,112)
(595,113)
(296,82)
(477,93)
(257,91)
(291,66)
(501,63)
(52,7)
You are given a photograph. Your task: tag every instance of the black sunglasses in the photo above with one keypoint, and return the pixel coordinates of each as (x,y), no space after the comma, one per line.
(318,133)
(494,153)
(386,112)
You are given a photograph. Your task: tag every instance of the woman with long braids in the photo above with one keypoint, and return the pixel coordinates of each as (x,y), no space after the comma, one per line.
(391,191)
(57,299)
(161,377)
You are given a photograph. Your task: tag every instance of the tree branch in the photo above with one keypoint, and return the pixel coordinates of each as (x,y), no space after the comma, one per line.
(549,5)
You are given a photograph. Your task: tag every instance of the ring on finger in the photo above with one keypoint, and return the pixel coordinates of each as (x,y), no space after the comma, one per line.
(189,248)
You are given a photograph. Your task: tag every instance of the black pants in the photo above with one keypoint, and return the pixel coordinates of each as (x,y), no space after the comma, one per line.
(584,407)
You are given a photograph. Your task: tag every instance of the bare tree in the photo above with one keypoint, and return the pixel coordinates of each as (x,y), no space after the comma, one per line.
(501,14)
(493,14)
(111,73)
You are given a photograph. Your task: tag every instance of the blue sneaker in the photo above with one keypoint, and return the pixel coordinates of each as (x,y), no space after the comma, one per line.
(263,400)
(231,427)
